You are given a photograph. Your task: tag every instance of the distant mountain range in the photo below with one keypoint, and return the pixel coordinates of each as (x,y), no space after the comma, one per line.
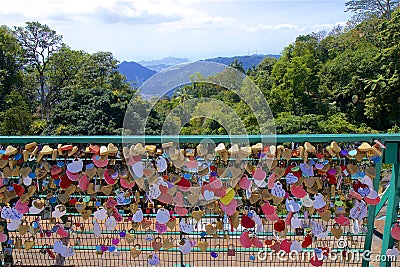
(135,73)
(143,70)
(161,64)
(247,61)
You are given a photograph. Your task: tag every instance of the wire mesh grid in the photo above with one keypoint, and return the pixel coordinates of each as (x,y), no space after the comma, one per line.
(86,246)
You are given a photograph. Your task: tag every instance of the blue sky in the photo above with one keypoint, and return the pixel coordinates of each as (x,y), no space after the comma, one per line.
(195,29)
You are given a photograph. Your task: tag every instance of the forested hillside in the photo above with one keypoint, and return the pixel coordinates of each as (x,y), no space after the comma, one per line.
(343,81)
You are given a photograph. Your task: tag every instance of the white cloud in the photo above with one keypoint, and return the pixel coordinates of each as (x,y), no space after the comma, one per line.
(258,28)
(108,11)
(262,28)
(286,27)
(325,26)
(200,22)
(145,29)
(132,13)
(170,15)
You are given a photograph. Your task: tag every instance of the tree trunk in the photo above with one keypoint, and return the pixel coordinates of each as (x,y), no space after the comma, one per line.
(43,99)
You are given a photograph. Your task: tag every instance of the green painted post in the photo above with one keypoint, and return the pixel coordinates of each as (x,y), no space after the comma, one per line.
(371,216)
(391,212)
(380,205)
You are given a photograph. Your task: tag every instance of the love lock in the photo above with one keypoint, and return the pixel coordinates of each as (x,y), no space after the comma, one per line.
(299,231)
(149,236)
(153,259)
(231,250)
(214,252)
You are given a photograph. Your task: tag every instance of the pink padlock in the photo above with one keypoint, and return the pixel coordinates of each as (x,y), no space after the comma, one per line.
(245,239)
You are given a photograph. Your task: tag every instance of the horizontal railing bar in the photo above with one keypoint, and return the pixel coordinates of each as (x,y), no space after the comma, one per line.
(139,233)
(197,138)
(153,215)
(198,233)
(195,249)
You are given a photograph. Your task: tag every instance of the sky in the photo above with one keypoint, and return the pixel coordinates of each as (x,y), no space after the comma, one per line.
(135,30)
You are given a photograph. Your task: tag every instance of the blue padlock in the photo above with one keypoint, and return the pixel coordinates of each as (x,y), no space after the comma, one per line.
(214,254)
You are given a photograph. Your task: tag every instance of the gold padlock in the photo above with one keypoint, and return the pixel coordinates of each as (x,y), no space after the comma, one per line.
(333,191)
(52,184)
(189,152)
(68,224)
(219,224)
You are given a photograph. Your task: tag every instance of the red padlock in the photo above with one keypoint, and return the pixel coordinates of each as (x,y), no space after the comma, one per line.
(231,250)
(280,225)
(247,222)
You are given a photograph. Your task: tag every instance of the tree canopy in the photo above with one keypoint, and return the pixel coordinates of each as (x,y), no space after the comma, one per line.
(343,81)
(367,8)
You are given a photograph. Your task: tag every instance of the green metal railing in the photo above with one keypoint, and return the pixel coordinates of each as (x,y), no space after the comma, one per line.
(197,138)
(391,155)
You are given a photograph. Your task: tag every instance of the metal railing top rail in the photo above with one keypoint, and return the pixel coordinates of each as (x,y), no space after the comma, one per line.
(197,138)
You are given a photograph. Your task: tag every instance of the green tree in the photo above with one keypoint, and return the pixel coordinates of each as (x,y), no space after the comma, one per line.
(343,81)
(382,89)
(10,67)
(71,70)
(295,81)
(236,64)
(184,93)
(39,43)
(141,119)
(63,72)
(261,74)
(366,8)
(89,112)
(100,70)
(17,118)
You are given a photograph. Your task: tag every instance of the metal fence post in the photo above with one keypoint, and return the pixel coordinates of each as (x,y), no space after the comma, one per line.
(181,260)
(371,216)
(391,213)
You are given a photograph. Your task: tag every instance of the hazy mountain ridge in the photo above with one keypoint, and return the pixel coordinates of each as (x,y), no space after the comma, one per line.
(161,64)
(139,72)
(135,72)
(247,61)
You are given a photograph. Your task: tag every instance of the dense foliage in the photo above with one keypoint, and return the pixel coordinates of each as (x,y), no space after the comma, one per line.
(344,81)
